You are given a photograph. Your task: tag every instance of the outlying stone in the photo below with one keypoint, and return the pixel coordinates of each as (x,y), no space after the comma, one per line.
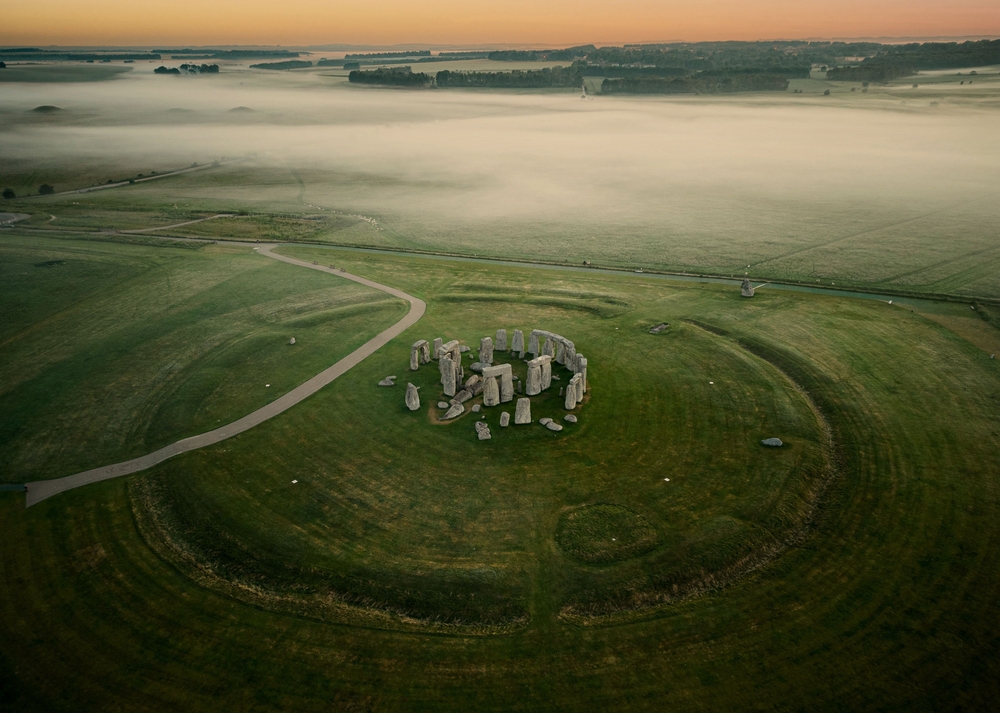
(746,289)
(476,408)
(292,340)
(412,398)
(570,418)
(444,404)
(483,431)
(772,442)
(388,381)
(454,412)
(553,426)
(522,413)
(504,419)
(659,328)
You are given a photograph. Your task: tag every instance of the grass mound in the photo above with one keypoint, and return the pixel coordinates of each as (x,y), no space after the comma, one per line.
(605,534)
(46,109)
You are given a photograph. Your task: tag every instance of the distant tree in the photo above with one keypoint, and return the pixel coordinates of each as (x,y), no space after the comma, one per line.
(826,93)
(46,190)
(3,65)
(9,193)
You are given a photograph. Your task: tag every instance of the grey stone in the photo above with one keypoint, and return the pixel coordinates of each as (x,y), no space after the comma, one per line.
(555,377)
(292,340)
(573,392)
(491,392)
(533,344)
(549,348)
(472,381)
(772,442)
(501,342)
(462,396)
(482,426)
(478,367)
(545,421)
(504,419)
(463,349)
(437,346)
(454,412)
(581,362)
(534,386)
(522,413)
(570,418)
(546,374)
(659,328)
(388,381)
(503,371)
(486,350)
(517,343)
(412,398)
(560,391)
(476,408)
(560,353)
(414,359)
(420,353)
(447,375)
(444,404)
(571,357)
(553,426)
(746,289)
(485,435)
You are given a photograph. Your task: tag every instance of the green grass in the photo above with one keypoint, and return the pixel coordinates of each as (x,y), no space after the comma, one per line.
(251,593)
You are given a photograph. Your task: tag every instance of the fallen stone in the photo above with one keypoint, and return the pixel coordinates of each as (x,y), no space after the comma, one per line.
(485,435)
(462,396)
(555,377)
(478,367)
(482,426)
(545,421)
(412,398)
(292,340)
(444,404)
(659,328)
(504,419)
(387,381)
(464,349)
(553,426)
(570,418)
(476,408)
(772,442)
(454,412)
(522,412)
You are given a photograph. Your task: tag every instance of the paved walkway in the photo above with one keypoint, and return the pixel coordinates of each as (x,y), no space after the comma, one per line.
(42,489)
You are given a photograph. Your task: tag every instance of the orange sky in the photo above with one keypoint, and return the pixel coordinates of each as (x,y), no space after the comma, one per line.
(544,22)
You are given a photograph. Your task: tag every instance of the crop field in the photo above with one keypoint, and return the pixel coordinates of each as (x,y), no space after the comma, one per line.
(353,554)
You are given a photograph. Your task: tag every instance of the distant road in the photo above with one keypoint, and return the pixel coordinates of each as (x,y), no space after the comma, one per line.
(41,489)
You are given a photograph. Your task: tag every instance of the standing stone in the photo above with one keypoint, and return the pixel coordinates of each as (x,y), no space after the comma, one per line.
(491,392)
(412,397)
(533,344)
(437,347)
(546,374)
(425,352)
(506,388)
(548,349)
(504,419)
(534,386)
(520,387)
(560,353)
(579,388)
(486,350)
(414,358)
(448,375)
(746,289)
(572,392)
(571,358)
(522,413)
(560,391)
(517,343)
(501,342)
(581,362)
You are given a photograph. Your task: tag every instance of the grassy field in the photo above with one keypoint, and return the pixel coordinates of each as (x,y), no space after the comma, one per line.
(413,567)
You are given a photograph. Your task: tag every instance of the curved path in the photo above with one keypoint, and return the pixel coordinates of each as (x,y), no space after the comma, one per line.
(41,489)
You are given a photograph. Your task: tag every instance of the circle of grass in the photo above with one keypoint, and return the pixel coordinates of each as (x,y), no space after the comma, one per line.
(604,534)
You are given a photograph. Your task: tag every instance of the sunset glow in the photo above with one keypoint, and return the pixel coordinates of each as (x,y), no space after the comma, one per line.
(449,22)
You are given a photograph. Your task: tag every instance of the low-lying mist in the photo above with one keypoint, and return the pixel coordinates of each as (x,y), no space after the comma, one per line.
(735,178)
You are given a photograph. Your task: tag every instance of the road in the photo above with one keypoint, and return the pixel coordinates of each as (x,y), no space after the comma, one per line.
(41,489)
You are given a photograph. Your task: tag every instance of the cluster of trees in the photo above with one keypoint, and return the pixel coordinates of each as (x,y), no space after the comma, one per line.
(188,69)
(564,55)
(389,55)
(711,82)
(532,79)
(391,77)
(289,64)
(895,61)
(231,54)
